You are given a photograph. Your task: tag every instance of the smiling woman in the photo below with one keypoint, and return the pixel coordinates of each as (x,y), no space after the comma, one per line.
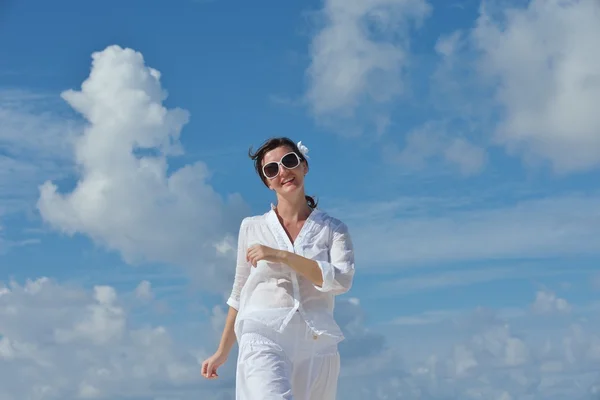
(268,167)
(292,261)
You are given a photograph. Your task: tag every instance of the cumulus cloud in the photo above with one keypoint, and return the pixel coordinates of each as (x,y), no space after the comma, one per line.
(68,342)
(525,77)
(103,322)
(359,63)
(543,63)
(482,355)
(65,342)
(358,57)
(126,198)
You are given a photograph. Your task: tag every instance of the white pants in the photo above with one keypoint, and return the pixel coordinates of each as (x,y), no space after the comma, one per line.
(292,365)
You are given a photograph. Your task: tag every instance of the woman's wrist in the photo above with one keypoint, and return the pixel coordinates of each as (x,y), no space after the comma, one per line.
(282,256)
(222,352)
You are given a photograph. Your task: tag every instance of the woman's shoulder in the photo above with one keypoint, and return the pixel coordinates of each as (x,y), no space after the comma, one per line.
(332,222)
(254,219)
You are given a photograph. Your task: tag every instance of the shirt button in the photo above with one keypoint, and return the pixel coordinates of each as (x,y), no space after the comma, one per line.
(315,337)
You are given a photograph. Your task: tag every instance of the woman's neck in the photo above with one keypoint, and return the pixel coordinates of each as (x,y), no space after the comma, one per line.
(293,209)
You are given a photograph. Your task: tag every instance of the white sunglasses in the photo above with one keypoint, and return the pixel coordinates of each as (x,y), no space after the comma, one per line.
(289,161)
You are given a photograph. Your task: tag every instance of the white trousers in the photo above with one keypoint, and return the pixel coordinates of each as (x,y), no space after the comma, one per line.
(292,365)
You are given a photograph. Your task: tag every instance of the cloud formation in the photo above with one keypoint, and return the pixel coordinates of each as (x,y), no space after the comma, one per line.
(545,60)
(65,342)
(70,342)
(538,66)
(483,355)
(358,58)
(524,77)
(126,198)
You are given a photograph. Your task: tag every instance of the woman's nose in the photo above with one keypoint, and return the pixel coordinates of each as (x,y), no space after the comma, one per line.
(283,171)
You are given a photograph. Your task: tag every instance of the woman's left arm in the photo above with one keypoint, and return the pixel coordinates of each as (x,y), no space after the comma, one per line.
(338,273)
(305,266)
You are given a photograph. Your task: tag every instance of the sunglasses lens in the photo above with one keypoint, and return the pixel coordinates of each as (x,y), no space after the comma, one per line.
(290,161)
(271,170)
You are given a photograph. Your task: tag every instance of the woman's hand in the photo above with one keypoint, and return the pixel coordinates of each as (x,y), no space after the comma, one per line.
(211,364)
(259,252)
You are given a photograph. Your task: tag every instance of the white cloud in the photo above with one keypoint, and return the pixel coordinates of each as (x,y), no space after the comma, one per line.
(358,57)
(107,355)
(104,321)
(63,342)
(524,77)
(545,59)
(125,198)
(481,355)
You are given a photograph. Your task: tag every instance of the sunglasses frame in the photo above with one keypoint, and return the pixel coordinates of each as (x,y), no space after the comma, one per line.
(280,164)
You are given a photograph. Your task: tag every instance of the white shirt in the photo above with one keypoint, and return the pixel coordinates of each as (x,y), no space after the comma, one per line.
(271,293)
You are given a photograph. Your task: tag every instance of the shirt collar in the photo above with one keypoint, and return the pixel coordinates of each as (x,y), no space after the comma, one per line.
(314,212)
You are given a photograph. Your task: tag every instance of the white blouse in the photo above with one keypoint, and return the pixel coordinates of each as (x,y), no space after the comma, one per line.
(271,293)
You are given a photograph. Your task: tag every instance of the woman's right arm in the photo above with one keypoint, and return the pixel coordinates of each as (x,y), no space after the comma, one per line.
(228,336)
(242,268)
(242,271)
(212,364)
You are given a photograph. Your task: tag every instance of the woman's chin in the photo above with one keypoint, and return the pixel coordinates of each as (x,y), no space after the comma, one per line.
(290,188)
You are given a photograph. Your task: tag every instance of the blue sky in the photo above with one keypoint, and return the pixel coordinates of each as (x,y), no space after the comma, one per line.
(458,140)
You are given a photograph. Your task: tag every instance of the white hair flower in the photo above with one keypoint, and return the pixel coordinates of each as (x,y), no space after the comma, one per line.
(303,149)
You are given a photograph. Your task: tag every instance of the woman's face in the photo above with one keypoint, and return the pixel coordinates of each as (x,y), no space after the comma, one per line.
(287,180)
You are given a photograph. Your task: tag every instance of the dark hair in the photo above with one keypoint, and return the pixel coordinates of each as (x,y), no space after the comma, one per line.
(271,144)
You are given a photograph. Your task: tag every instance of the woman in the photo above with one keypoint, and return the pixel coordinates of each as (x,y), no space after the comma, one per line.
(291,263)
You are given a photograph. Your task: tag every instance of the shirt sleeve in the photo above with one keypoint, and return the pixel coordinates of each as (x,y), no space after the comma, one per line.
(338,273)
(242,269)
